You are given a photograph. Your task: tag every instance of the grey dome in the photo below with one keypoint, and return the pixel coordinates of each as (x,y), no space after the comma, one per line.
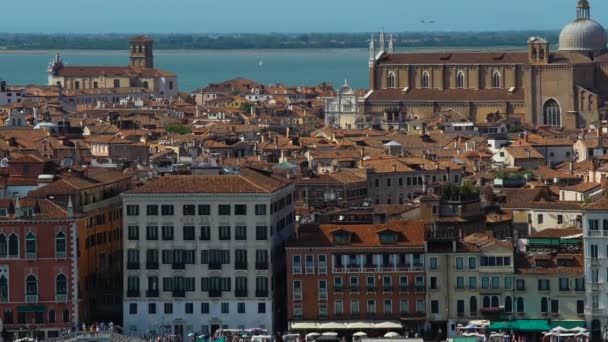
(582,35)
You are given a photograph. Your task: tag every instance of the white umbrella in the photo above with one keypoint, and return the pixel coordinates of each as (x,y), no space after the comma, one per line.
(391,334)
(388,325)
(578,329)
(312,335)
(359,334)
(560,329)
(329,334)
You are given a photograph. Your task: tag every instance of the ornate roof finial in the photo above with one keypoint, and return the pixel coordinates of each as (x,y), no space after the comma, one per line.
(372,51)
(391,47)
(582,10)
(382,43)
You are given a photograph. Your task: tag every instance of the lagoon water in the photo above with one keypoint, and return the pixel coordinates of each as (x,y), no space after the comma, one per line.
(198,68)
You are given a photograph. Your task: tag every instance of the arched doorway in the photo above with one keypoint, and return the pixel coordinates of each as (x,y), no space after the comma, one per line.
(596,330)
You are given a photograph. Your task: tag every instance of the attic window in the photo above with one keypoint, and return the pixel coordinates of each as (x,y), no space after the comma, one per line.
(388,237)
(27,212)
(342,237)
(543,263)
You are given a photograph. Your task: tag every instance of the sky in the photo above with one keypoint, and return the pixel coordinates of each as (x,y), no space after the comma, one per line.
(229,16)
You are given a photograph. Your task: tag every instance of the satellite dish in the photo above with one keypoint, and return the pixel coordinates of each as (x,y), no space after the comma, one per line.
(67,162)
(4,162)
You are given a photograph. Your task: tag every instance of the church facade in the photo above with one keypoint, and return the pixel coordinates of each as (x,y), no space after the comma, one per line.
(139,74)
(566,88)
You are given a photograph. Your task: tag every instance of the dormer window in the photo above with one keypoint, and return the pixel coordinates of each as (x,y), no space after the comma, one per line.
(388,236)
(342,237)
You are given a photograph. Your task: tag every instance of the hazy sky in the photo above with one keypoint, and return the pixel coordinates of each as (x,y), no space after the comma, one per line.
(130,16)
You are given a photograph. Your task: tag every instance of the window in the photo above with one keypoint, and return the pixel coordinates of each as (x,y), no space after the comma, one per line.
(205,233)
(261,233)
(560,219)
(297,264)
(188,232)
(564,284)
(60,245)
(61,287)
(473,304)
(260,209)
(593,251)
(425,80)
(323,311)
(388,306)
(204,209)
(354,307)
(520,305)
(495,282)
(224,232)
(552,114)
(543,285)
(472,282)
(152,210)
(261,287)
(151,308)
(132,210)
(520,284)
(460,307)
(133,308)
(133,233)
(485,282)
(508,283)
(3,246)
(168,308)
(434,306)
(167,232)
(152,233)
(371,306)
(579,284)
(554,306)
(261,307)
(496,79)
(434,263)
(204,308)
(166,210)
(459,263)
(225,308)
(224,210)
(472,263)
(145,84)
(240,233)
(580,306)
(30,244)
(338,307)
(116,83)
(189,210)
(391,83)
(52,316)
(460,282)
(460,79)
(240,308)
(3,288)
(240,209)
(66,316)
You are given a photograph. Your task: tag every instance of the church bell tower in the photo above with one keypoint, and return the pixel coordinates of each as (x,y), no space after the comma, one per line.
(141,52)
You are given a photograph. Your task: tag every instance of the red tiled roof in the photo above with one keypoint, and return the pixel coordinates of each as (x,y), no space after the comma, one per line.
(119,71)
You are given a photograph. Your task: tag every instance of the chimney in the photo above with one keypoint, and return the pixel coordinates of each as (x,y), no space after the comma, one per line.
(571,167)
(70,208)
(394,168)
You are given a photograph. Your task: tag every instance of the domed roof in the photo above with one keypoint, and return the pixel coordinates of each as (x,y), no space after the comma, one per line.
(583,34)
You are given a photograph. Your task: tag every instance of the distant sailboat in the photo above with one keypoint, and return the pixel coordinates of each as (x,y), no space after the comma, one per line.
(261,63)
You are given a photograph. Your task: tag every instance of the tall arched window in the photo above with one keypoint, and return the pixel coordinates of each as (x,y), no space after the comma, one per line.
(60,244)
(3,246)
(391,81)
(66,315)
(495,302)
(460,79)
(473,304)
(544,305)
(51,316)
(425,80)
(486,302)
(496,79)
(552,115)
(520,304)
(508,304)
(31,285)
(3,288)
(30,244)
(13,245)
(61,285)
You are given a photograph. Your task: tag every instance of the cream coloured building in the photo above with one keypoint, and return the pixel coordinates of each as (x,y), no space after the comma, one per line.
(139,74)
(202,252)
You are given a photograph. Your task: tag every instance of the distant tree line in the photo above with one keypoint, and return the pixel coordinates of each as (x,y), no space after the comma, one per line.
(12,41)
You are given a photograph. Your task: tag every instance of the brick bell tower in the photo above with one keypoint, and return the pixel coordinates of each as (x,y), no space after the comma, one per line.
(142,55)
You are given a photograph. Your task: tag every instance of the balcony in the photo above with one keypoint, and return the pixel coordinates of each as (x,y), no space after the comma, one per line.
(61,298)
(179,293)
(354,288)
(31,299)
(152,265)
(371,288)
(309,269)
(30,255)
(215,266)
(598,233)
(338,289)
(593,261)
(152,293)
(241,293)
(419,288)
(594,286)
(261,293)
(215,293)
(491,310)
(323,295)
(322,269)
(178,266)
(132,265)
(132,293)
(297,295)
(3,299)
(404,288)
(297,270)
(240,265)
(60,255)
(261,266)
(596,312)
(387,288)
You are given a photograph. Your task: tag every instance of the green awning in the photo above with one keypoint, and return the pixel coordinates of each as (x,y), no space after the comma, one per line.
(31,308)
(524,325)
(465,339)
(568,324)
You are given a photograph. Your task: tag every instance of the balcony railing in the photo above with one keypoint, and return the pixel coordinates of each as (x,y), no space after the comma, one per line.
(215,266)
(310,269)
(598,233)
(387,288)
(240,265)
(179,293)
(132,293)
(61,298)
(323,295)
(132,265)
(404,288)
(338,288)
(152,293)
(261,293)
(152,265)
(419,288)
(297,270)
(30,255)
(322,269)
(178,266)
(240,293)
(31,299)
(60,255)
(371,288)
(297,295)
(354,288)
(260,266)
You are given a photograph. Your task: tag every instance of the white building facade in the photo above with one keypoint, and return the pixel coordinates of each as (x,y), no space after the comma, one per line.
(342,111)
(199,255)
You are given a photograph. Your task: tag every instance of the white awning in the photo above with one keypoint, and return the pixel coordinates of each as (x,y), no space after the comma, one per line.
(388,325)
(480,323)
(332,326)
(360,325)
(303,325)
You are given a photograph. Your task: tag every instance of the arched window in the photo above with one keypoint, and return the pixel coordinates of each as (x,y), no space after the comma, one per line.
(3,288)
(460,79)
(66,315)
(8,317)
(473,304)
(425,80)
(13,245)
(495,302)
(77,85)
(31,285)
(544,305)
(496,79)
(520,304)
(146,84)
(30,243)
(391,82)
(60,244)
(552,115)
(61,285)
(486,301)
(508,304)
(3,246)
(51,316)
